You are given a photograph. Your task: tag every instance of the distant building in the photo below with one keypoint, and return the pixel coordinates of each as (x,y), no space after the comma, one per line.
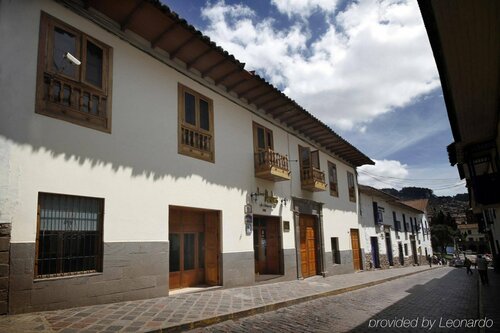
(471,239)
(395,233)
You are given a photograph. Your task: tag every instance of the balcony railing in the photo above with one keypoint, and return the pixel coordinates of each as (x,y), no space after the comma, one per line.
(196,142)
(75,100)
(271,165)
(312,179)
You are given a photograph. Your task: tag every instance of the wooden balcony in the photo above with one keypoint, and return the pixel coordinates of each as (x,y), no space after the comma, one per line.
(196,143)
(74,101)
(312,179)
(271,165)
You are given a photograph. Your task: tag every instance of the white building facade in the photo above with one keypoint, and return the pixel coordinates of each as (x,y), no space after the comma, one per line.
(157,163)
(395,234)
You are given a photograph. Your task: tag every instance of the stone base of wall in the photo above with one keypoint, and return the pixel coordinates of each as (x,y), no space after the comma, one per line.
(346,265)
(131,271)
(5,229)
(384,262)
(238,269)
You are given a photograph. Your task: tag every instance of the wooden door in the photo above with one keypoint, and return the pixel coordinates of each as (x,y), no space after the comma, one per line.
(259,243)
(308,253)
(267,245)
(212,249)
(194,248)
(356,250)
(273,246)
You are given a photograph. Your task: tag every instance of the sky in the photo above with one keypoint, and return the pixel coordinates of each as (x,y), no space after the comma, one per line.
(365,68)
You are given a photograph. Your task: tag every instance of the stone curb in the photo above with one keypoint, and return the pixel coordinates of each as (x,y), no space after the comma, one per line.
(276,306)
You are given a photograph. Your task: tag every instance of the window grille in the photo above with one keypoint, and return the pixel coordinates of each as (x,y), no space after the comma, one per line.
(69,239)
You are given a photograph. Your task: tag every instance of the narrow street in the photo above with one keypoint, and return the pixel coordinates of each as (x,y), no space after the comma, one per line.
(429,298)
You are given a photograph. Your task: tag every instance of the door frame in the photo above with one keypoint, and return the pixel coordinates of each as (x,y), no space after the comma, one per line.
(277,220)
(359,249)
(316,245)
(308,207)
(375,251)
(388,248)
(218,216)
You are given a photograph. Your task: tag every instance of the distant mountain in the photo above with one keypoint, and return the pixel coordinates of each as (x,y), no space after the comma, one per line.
(456,205)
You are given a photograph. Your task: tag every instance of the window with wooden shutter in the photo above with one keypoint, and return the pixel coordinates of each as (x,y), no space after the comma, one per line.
(80,94)
(196,127)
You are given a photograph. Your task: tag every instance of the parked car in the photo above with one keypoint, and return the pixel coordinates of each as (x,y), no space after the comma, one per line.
(457,262)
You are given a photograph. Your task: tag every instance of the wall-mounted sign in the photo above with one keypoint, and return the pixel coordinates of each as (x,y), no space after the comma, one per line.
(248,224)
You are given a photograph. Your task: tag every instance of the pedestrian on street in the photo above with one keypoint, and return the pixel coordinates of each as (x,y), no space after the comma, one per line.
(429,260)
(482,268)
(467,264)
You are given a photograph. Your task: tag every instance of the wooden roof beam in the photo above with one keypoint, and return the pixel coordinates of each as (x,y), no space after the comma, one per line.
(278,106)
(180,47)
(283,112)
(219,80)
(274,100)
(198,57)
(211,68)
(266,101)
(126,22)
(292,121)
(234,85)
(308,127)
(160,37)
(261,95)
(244,92)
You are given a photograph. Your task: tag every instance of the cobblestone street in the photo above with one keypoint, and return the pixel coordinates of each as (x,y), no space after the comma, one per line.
(436,295)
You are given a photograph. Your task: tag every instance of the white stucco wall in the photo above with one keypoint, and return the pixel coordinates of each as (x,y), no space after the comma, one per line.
(136,168)
(369,229)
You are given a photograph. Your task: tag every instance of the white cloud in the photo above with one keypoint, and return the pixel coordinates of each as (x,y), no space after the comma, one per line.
(373,57)
(304,8)
(443,180)
(385,173)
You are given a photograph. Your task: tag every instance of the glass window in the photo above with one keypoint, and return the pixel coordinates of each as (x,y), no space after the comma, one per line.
(352,189)
(94,64)
(64,42)
(332,176)
(204,115)
(189,251)
(175,252)
(189,109)
(69,235)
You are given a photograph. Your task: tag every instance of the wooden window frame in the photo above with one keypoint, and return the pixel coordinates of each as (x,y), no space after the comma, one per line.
(334,192)
(351,189)
(100,246)
(47,74)
(267,132)
(186,149)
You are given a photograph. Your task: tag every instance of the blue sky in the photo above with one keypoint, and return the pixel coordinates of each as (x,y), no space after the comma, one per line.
(363,67)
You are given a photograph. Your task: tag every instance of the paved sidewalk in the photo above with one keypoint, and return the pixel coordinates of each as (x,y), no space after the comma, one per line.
(185,311)
(488,298)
